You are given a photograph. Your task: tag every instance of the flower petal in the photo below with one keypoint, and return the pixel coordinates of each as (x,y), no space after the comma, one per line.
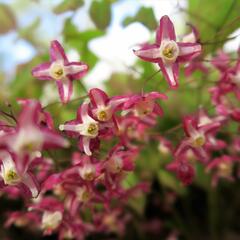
(188,51)
(149,53)
(75,70)
(165,31)
(57,52)
(98,97)
(86,145)
(65,89)
(170,72)
(31,182)
(42,71)
(52,139)
(182,147)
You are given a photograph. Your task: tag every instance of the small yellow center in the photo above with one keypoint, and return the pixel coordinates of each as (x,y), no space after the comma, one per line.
(89,175)
(11,177)
(92,129)
(102,116)
(225,169)
(57,71)
(85,196)
(168,52)
(198,141)
(144,108)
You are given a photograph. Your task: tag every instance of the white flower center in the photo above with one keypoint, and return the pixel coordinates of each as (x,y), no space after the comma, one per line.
(198,141)
(51,220)
(28,140)
(9,172)
(144,108)
(236,79)
(169,51)
(83,194)
(104,114)
(87,172)
(57,70)
(225,169)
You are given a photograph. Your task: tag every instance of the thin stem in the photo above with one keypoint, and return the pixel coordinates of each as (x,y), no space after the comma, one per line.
(76,99)
(149,78)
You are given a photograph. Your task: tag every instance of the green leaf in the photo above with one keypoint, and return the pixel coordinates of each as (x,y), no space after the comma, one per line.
(100,13)
(145,15)
(80,40)
(68,5)
(27,33)
(167,179)
(7,19)
(216,21)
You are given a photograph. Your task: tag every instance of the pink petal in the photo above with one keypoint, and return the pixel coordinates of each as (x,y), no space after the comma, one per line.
(29,114)
(149,53)
(75,70)
(211,127)
(170,72)
(190,125)
(86,145)
(98,97)
(182,147)
(57,52)
(158,110)
(156,95)
(42,71)
(51,182)
(116,102)
(201,154)
(82,112)
(65,89)
(165,31)
(53,140)
(188,51)
(31,182)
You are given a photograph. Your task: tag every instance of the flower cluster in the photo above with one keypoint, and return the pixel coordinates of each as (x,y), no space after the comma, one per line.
(88,195)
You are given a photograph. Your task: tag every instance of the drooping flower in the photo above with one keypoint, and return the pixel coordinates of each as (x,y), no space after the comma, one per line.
(84,126)
(30,137)
(145,104)
(61,70)
(197,137)
(222,167)
(19,175)
(167,52)
(183,169)
(103,107)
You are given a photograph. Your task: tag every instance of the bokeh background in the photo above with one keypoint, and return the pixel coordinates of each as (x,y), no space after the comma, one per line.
(103,33)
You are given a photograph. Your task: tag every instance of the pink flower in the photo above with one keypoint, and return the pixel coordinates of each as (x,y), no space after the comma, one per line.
(103,107)
(61,70)
(145,104)
(85,127)
(198,132)
(15,172)
(167,52)
(184,171)
(222,167)
(30,138)
(52,213)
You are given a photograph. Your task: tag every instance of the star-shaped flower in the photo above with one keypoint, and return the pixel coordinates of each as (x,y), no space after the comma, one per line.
(168,53)
(61,70)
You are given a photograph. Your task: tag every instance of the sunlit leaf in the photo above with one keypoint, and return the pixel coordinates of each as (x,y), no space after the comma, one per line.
(145,15)
(7,19)
(100,13)
(215,22)
(80,41)
(68,5)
